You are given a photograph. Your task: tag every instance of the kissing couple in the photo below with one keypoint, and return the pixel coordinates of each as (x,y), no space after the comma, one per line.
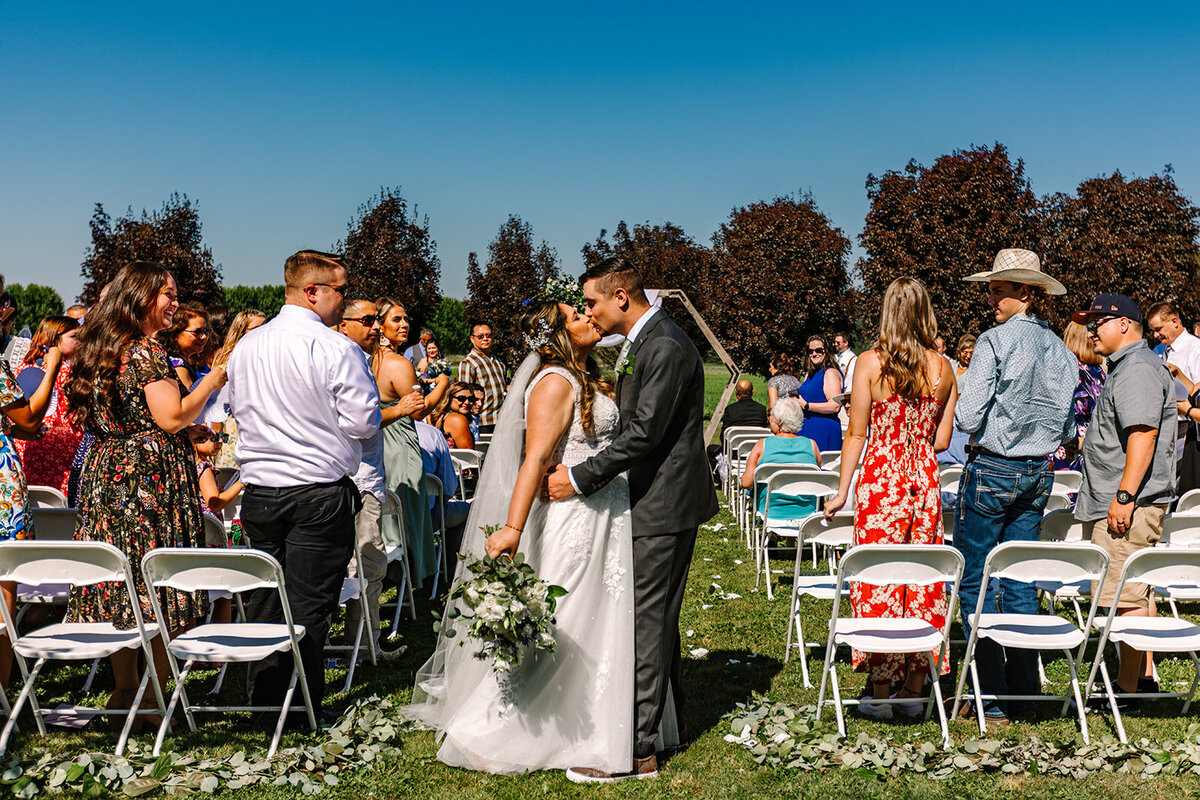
(602,489)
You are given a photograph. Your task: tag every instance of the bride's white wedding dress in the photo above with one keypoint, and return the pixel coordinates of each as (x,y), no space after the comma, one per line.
(573,707)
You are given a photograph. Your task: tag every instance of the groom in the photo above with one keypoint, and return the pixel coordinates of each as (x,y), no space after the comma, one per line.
(660,392)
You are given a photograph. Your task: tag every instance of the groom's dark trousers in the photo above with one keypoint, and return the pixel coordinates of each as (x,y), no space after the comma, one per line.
(661,446)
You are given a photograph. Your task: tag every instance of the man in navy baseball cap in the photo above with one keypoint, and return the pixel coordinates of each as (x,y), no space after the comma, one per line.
(1108,305)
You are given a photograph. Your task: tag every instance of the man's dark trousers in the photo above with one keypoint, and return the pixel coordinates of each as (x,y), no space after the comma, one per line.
(310,531)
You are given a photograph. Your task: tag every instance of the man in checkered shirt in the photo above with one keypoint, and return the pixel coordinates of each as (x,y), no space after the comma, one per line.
(481,367)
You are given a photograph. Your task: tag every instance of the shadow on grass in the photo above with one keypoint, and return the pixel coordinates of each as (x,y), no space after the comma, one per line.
(714,685)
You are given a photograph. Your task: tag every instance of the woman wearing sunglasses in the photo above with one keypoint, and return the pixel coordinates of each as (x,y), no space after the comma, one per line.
(823,382)
(453,416)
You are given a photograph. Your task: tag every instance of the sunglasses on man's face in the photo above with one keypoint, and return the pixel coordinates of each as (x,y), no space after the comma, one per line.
(1094,325)
(367,320)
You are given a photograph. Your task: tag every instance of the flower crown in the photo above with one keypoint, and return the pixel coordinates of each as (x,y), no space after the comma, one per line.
(559,289)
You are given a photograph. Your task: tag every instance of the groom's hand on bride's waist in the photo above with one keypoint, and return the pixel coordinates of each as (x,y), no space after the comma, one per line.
(557,485)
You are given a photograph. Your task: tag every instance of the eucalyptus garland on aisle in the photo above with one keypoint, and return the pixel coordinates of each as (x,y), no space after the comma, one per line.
(777,734)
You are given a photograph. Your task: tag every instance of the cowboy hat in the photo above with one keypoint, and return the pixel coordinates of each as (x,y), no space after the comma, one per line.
(1019,266)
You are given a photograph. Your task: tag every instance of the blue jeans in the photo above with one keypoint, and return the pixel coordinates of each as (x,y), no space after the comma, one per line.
(999,500)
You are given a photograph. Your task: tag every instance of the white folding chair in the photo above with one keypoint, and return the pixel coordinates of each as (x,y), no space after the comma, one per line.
(1029,562)
(835,534)
(1066,482)
(740,446)
(399,554)
(79,564)
(890,565)
(355,589)
(465,459)
(433,488)
(948,527)
(1057,502)
(1062,527)
(1179,530)
(233,570)
(1156,566)
(46,497)
(727,439)
(950,478)
(778,481)
(1189,503)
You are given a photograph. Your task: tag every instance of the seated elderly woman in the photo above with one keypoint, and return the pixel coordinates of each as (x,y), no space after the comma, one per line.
(784,446)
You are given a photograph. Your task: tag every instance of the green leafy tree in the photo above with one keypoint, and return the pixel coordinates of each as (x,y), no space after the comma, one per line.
(941,223)
(34,303)
(668,259)
(449,326)
(267,299)
(779,275)
(170,237)
(1136,236)
(515,270)
(389,252)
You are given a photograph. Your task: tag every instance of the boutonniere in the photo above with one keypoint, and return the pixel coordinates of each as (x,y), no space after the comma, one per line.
(627,366)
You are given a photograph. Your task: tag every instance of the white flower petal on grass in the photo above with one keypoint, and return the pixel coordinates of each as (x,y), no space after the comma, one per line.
(698,652)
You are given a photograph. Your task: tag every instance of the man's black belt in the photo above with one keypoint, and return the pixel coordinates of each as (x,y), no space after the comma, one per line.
(983,451)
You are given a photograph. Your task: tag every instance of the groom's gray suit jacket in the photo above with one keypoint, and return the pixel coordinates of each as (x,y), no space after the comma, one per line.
(660,439)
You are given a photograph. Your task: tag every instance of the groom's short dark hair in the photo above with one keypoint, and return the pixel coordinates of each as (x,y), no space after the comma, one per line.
(616,272)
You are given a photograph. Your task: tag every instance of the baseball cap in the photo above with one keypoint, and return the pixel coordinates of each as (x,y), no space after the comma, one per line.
(1109,305)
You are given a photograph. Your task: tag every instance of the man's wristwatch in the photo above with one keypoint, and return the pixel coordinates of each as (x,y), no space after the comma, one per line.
(1124,498)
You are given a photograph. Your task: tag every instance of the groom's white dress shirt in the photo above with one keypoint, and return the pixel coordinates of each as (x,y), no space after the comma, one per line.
(630,340)
(304,400)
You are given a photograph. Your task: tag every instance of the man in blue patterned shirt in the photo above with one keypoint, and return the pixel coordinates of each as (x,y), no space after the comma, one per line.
(1015,402)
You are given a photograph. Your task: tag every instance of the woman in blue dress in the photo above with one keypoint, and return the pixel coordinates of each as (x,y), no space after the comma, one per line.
(822,384)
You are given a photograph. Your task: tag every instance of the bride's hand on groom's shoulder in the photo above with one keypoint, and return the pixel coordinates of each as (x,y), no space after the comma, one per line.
(558,484)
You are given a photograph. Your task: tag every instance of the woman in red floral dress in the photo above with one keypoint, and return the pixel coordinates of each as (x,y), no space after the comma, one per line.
(47,460)
(906,393)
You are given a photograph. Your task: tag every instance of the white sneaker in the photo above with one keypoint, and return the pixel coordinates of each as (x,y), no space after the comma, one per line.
(914,707)
(872,710)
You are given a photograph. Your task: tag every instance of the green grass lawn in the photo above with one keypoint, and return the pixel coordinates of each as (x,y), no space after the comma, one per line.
(745,640)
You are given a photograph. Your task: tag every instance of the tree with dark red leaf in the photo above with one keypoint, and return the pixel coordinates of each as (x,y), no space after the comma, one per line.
(1133,236)
(170,237)
(779,274)
(515,271)
(941,223)
(388,252)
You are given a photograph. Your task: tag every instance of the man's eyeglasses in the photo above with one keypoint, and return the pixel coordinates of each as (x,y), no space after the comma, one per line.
(481,336)
(1093,325)
(339,289)
(367,320)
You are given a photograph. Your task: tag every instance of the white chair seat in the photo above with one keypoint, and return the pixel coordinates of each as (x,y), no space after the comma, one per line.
(1065,590)
(394,553)
(71,641)
(1030,631)
(237,641)
(1178,592)
(784,528)
(887,635)
(46,593)
(822,587)
(1164,634)
(350,590)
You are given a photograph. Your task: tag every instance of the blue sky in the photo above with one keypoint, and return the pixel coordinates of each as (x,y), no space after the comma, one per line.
(279,120)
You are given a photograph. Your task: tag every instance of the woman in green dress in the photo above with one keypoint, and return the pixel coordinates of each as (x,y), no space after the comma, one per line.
(139,488)
(403,466)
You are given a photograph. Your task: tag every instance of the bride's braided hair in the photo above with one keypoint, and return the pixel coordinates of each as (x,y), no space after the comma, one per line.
(545,324)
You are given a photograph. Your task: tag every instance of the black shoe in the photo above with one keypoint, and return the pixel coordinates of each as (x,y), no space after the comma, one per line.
(1147,686)
(1022,711)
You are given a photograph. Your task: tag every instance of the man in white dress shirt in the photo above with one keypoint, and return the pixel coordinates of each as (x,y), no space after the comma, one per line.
(305,401)
(845,358)
(1183,350)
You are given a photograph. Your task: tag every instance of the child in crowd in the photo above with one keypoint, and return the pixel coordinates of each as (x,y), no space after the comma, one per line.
(215,501)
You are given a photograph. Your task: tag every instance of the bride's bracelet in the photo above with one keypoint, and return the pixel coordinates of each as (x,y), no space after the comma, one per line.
(511,527)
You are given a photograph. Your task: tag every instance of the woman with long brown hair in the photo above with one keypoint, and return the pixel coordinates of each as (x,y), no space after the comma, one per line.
(185,342)
(47,460)
(452,416)
(905,393)
(822,383)
(139,488)
(783,381)
(1069,455)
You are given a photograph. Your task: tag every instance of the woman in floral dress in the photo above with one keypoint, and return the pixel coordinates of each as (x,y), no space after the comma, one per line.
(139,488)
(47,460)
(906,392)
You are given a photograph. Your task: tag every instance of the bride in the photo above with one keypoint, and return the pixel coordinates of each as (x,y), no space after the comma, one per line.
(574,706)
